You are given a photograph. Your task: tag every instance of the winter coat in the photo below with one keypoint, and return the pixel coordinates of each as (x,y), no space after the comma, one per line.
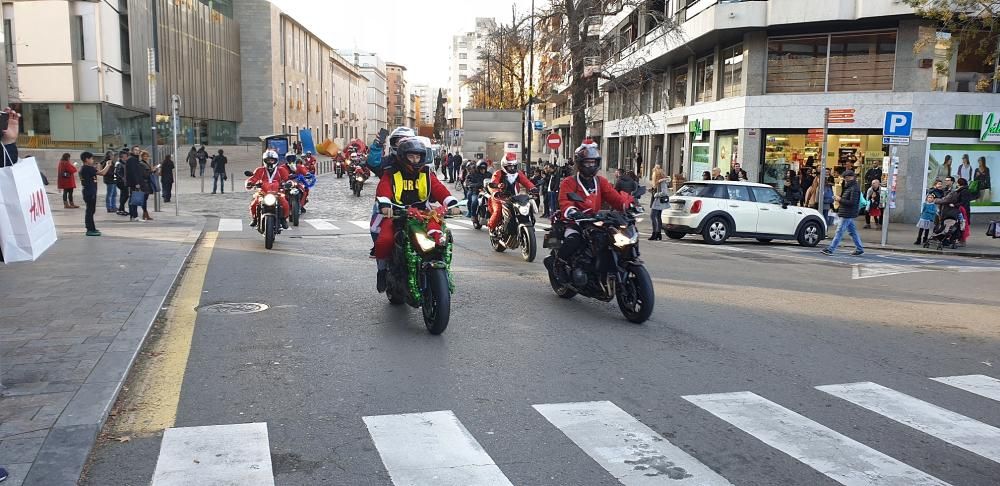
(67,175)
(850,201)
(661,190)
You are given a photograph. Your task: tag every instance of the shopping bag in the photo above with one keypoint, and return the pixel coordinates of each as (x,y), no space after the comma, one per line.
(26,225)
(138,198)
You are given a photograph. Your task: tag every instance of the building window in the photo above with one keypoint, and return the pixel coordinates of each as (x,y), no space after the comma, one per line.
(797,65)
(704,78)
(8,40)
(463,67)
(855,62)
(463,55)
(79,48)
(678,95)
(732,71)
(462,78)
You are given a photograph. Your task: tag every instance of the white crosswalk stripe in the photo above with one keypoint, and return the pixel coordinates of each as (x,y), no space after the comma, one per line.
(229,224)
(321,224)
(959,430)
(838,457)
(981,385)
(362,224)
(431,448)
(629,450)
(215,454)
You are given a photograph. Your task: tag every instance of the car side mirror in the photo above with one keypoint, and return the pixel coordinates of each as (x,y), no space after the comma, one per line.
(248,173)
(784,203)
(575,197)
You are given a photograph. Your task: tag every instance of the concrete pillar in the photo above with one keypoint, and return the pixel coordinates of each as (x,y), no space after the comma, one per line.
(909,76)
(749,155)
(754,63)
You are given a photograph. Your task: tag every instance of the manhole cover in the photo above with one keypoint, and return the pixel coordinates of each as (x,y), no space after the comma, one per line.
(234,308)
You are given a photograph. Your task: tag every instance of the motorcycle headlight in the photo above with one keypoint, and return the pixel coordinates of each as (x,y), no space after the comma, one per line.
(270,200)
(524,210)
(359,179)
(622,240)
(295,191)
(425,242)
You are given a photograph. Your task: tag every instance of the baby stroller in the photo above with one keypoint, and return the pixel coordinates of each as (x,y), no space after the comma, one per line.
(948,230)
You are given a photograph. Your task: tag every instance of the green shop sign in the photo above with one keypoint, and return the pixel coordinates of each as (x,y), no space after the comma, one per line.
(989,129)
(698,128)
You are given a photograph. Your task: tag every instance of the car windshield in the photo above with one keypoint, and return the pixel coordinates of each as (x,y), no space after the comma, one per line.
(700,190)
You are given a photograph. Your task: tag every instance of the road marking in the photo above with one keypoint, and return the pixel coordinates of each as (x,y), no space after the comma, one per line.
(215,454)
(431,448)
(151,403)
(365,225)
(982,385)
(459,223)
(321,224)
(838,457)
(228,224)
(959,430)
(872,270)
(629,450)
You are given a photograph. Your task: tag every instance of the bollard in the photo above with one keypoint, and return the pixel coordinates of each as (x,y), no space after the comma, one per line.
(232,182)
(203,183)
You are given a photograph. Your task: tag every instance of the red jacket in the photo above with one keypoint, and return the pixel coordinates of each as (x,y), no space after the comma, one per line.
(604,192)
(269,182)
(69,180)
(436,191)
(500,179)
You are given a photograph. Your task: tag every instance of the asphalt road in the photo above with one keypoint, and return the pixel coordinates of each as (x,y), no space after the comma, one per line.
(730,381)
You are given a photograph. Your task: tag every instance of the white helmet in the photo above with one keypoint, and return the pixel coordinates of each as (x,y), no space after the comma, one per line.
(399,134)
(270,157)
(509,163)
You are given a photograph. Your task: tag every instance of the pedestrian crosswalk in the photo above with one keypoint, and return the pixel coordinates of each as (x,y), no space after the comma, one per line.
(234,225)
(436,448)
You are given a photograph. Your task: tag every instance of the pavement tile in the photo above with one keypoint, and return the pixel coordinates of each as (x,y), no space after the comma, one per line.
(20,450)
(39,387)
(17,474)
(62,456)
(90,405)
(112,367)
(64,341)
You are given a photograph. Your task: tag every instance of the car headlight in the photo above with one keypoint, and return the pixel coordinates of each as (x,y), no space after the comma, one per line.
(622,240)
(270,200)
(524,210)
(424,242)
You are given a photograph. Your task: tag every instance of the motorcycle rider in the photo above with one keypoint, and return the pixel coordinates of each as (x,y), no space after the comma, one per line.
(407,182)
(595,190)
(269,178)
(508,181)
(474,181)
(377,160)
(298,171)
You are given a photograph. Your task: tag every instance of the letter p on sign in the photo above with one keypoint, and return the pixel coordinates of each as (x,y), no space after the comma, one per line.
(898,124)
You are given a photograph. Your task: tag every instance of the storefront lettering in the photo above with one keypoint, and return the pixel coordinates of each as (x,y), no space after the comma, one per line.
(990,129)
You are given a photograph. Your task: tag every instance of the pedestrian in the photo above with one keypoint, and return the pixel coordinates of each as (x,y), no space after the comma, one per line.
(850,202)
(661,201)
(67,180)
(444,165)
(875,172)
(806,179)
(964,170)
(961,199)
(937,189)
(456,161)
(654,181)
(121,181)
(981,179)
(167,177)
(110,188)
(875,205)
(737,174)
(437,162)
(137,180)
(927,215)
(88,181)
(717,174)
(555,179)
(706,176)
(626,183)
(150,175)
(793,192)
(219,171)
(202,156)
(192,159)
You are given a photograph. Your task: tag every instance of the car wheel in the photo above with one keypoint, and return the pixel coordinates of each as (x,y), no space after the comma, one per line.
(810,234)
(716,231)
(675,235)
(765,240)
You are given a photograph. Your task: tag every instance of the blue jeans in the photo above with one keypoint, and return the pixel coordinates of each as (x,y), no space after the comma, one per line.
(552,202)
(846,224)
(219,177)
(472,200)
(111,198)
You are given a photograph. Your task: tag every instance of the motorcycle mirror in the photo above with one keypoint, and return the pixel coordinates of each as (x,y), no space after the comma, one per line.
(247,173)
(493,186)
(574,197)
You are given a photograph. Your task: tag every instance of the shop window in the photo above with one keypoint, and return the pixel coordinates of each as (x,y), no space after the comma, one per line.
(678,93)
(645,97)
(657,94)
(732,71)
(862,62)
(8,40)
(704,78)
(942,62)
(797,65)
(975,71)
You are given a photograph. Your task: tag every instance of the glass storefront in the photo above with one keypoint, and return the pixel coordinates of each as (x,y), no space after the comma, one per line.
(946,155)
(795,151)
(728,148)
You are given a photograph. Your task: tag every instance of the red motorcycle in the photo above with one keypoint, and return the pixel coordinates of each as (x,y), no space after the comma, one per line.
(358,178)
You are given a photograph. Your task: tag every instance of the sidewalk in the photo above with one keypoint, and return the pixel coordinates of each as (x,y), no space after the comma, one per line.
(71,325)
(902,236)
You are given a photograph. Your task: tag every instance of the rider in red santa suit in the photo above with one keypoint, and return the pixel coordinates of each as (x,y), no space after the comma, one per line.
(508,180)
(268,178)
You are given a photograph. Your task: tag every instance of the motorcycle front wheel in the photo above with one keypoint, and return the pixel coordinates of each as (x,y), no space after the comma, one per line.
(268,222)
(635,295)
(296,211)
(526,237)
(436,304)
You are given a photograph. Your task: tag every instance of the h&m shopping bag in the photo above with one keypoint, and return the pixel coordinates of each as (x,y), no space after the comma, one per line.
(26,225)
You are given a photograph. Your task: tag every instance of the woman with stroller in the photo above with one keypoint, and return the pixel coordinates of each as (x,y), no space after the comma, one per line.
(955,205)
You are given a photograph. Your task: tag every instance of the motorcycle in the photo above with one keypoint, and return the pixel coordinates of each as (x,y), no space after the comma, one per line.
(267,214)
(482,214)
(358,181)
(293,192)
(338,168)
(517,226)
(419,271)
(607,266)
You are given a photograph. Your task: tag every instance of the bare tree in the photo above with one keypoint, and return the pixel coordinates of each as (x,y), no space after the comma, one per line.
(973,24)
(501,81)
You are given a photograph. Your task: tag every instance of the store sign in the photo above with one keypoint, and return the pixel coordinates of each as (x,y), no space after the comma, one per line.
(989,130)
(539,125)
(698,128)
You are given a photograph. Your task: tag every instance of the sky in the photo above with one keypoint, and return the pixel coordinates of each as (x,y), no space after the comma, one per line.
(414,33)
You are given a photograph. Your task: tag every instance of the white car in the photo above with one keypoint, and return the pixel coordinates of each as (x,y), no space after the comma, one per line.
(719,210)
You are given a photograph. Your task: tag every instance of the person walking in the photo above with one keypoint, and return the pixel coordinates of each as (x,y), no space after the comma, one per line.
(981,179)
(88,181)
(806,179)
(121,181)
(552,196)
(793,192)
(202,156)
(67,180)
(137,180)
(927,215)
(110,188)
(874,197)
(654,182)
(850,202)
(219,171)
(151,179)
(717,174)
(660,202)
(456,160)
(167,176)
(192,159)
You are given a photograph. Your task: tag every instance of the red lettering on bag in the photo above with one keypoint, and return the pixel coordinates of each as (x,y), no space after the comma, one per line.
(37,208)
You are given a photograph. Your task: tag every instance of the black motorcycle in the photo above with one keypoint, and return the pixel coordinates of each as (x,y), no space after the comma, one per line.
(517,226)
(419,271)
(268,222)
(338,168)
(482,214)
(357,180)
(293,192)
(607,266)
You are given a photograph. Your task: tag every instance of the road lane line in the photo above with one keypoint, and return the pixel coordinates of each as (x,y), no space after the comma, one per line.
(431,448)
(982,385)
(155,387)
(365,225)
(462,224)
(958,430)
(215,454)
(628,449)
(229,224)
(321,224)
(838,457)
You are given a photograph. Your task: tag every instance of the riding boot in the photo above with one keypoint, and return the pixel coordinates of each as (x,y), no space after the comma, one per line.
(145,215)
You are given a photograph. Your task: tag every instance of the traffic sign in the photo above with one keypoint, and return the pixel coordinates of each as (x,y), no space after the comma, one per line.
(898,124)
(845,115)
(895,140)
(553,141)
(539,124)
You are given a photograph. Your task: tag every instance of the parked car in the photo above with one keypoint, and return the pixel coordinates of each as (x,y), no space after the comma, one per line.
(719,210)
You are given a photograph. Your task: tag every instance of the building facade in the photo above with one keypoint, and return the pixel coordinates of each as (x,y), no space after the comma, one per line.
(399,98)
(426,103)
(464,61)
(79,71)
(349,91)
(376,98)
(747,81)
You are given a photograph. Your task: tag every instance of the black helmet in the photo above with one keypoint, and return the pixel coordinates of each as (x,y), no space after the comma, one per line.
(481,165)
(587,159)
(411,145)
(290,158)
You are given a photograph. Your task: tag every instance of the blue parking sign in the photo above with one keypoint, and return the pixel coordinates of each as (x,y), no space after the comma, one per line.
(898,124)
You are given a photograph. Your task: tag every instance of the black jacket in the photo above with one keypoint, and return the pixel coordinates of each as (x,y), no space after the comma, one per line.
(474,180)
(136,174)
(850,201)
(626,184)
(219,164)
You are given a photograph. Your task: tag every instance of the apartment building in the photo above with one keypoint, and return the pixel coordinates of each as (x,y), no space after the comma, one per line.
(79,71)
(399,97)
(349,92)
(427,103)
(745,81)
(376,99)
(464,61)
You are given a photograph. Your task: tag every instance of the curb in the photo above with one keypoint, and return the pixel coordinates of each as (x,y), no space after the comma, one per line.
(64,453)
(921,251)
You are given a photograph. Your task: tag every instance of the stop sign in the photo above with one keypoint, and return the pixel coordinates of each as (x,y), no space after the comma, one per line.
(553,141)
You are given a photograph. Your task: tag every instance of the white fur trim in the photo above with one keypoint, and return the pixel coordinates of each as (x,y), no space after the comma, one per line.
(448,199)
